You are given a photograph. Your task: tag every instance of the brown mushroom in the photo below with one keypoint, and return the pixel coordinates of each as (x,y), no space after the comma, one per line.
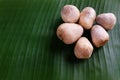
(70,13)
(107,20)
(87,17)
(99,36)
(69,32)
(83,48)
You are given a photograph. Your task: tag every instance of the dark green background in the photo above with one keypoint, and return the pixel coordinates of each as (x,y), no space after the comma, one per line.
(30,50)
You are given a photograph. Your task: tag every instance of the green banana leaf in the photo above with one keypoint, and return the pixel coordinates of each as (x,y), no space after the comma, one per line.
(30,49)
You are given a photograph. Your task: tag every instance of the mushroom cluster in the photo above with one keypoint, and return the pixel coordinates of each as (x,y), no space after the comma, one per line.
(75,22)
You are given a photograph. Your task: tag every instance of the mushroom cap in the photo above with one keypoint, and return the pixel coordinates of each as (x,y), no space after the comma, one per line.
(69,32)
(106,20)
(70,13)
(87,17)
(83,48)
(99,35)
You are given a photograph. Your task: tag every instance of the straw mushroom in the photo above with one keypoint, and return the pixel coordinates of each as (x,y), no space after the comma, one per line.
(70,13)
(83,48)
(107,20)
(99,36)
(69,32)
(87,17)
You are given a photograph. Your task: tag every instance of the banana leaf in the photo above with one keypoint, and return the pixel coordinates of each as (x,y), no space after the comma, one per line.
(30,49)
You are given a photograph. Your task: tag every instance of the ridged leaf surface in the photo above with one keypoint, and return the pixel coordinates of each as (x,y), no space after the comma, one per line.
(30,49)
